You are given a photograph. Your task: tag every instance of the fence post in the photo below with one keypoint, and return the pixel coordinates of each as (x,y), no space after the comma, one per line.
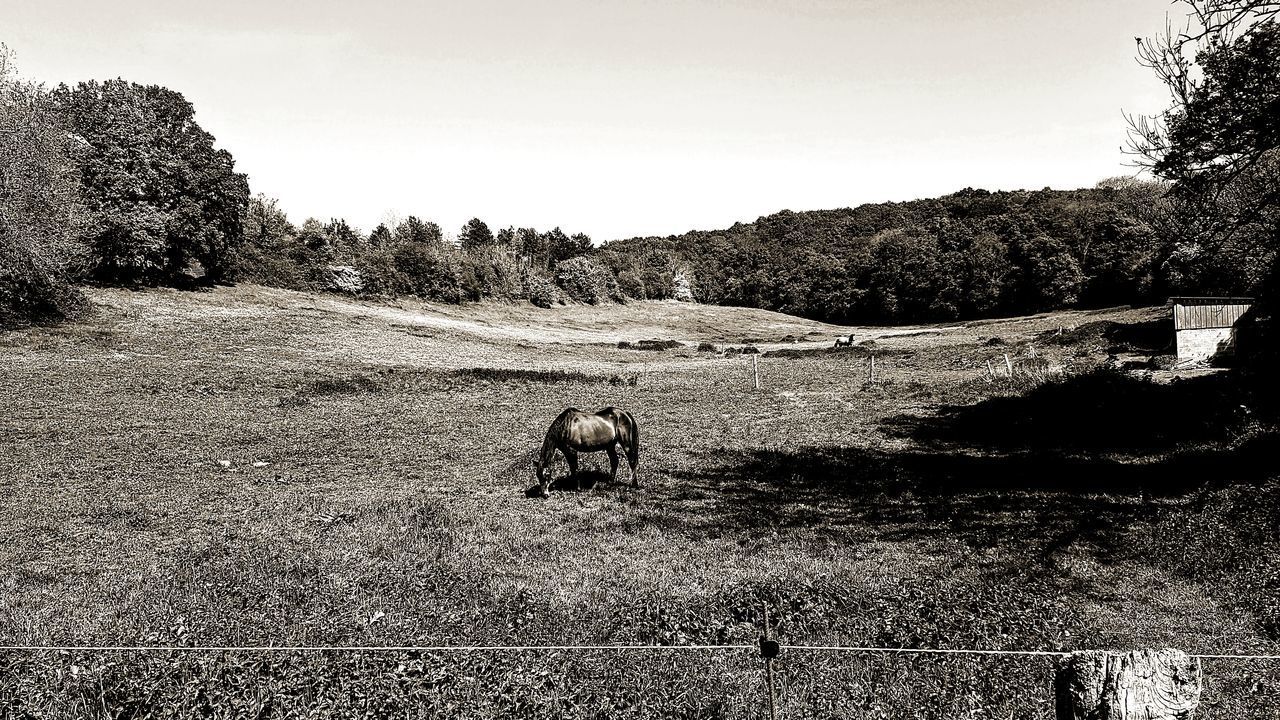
(755,369)
(769,650)
(1137,685)
(1008,364)
(871,370)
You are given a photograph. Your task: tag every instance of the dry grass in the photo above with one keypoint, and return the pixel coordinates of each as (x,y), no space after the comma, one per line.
(255,466)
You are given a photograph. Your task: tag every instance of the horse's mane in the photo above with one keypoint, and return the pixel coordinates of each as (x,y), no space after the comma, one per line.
(558,429)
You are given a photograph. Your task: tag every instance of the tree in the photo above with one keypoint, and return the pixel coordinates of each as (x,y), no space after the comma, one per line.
(475,234)
(381,236)
(40,209)
(265,224)
(1223,77)
(414,230)
(1219,139)
(159,193)
(1049,275)
(1219,143)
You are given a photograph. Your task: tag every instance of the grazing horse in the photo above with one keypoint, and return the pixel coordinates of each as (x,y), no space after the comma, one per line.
(844,342)
(575,431)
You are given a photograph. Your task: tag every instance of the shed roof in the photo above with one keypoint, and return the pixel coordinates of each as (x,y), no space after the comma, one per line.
(1210,300)
(1197,313)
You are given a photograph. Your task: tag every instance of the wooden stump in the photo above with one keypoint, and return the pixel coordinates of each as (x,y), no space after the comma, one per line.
(1137,685)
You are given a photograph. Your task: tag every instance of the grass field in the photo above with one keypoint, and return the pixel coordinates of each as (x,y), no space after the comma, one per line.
(251,466)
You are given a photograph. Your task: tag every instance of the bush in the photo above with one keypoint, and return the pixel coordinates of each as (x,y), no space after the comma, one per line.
(658,344)
(410,268)
(586,280)
(706,347)
(255,265)
(32,289)
(541,291)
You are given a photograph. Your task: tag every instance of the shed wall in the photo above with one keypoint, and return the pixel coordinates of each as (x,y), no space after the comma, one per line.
(1205,343)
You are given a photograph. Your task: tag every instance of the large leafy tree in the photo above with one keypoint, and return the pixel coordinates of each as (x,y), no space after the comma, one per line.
(1219,139)
(1219,142)
(159,193)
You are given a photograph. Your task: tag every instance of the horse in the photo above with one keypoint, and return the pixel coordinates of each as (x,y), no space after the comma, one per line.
(575,431)
(844,342)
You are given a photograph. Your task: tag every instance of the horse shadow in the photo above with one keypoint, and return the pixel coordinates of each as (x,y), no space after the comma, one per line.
(588,477)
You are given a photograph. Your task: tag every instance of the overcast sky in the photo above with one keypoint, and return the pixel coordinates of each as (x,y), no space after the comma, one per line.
(621,118)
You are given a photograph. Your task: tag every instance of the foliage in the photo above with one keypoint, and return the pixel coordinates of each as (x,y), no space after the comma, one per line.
(1219,143)
(586,280)
(475,234)
(160,194)
(412,268)
(40,208)
(970,254)
(541,290)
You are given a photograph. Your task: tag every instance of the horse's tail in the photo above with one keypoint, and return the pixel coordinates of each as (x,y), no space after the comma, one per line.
(628,434)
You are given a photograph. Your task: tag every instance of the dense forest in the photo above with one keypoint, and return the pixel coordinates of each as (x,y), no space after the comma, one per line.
(114,182)
(970,254)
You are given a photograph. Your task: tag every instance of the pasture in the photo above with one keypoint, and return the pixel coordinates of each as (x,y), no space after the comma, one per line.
(262,467)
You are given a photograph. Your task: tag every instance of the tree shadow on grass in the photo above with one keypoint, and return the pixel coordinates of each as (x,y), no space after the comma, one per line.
(1077,460)
(1105,411)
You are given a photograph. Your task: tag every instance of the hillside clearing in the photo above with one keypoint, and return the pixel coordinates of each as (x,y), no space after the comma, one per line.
(397,441)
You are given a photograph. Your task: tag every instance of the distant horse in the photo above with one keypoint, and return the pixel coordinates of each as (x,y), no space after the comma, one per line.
(575,431)
(844,342)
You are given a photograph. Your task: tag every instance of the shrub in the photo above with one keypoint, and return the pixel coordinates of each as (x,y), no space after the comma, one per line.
(344,278)
(540,290)
(33,289)
(706,347)
(632,285)
(586,280)
(256,265)
(40,208)
(658,344)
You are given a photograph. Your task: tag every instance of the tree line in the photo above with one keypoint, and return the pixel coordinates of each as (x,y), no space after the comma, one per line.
(114,182)
(970,254)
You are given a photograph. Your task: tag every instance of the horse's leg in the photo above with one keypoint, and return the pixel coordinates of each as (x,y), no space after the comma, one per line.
(572,458)
(613,464)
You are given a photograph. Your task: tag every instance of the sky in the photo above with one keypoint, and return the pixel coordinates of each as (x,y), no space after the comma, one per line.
(627,117)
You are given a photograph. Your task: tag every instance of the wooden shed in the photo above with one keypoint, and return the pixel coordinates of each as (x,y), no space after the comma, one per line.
(1205,327)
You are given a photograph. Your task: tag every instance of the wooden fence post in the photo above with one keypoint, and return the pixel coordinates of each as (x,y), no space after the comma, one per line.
(1008,364)
(1137,685)
(769,650)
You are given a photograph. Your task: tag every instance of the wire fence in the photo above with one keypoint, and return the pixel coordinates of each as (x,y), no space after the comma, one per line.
(571,648)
